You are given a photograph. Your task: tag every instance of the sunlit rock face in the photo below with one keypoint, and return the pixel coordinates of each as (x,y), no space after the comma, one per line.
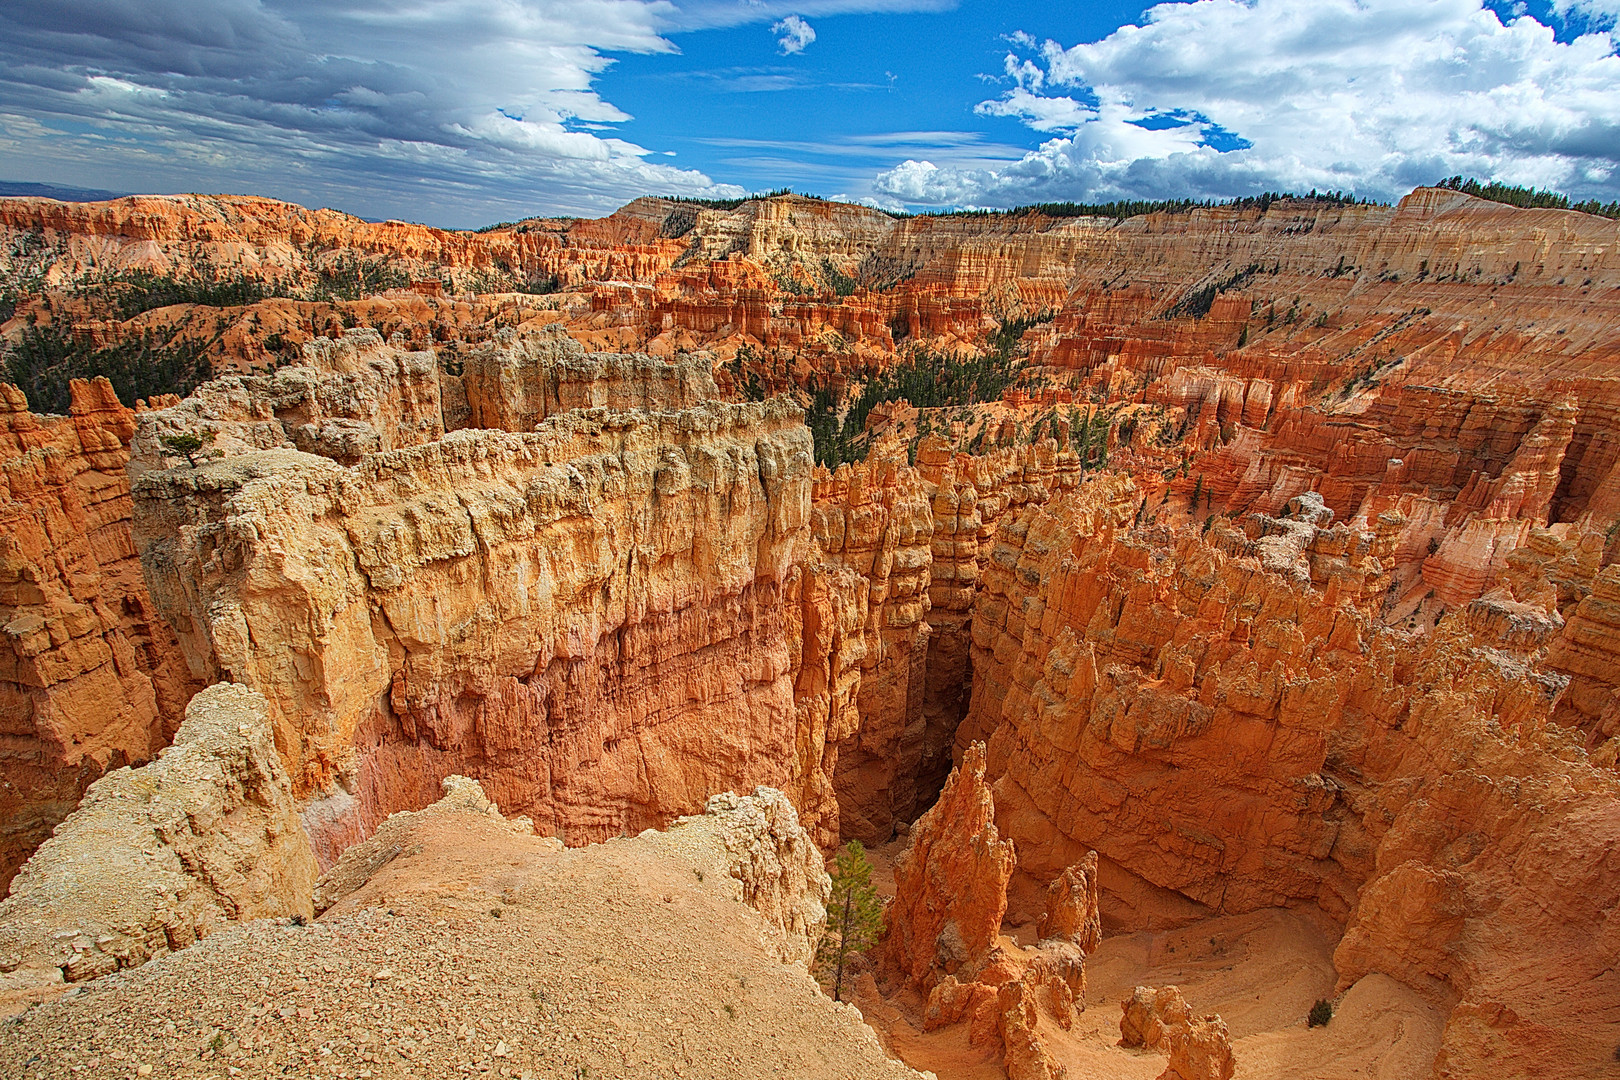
(90,676)
(599,618)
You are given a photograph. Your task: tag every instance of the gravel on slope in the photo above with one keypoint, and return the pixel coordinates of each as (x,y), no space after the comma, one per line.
(479,954)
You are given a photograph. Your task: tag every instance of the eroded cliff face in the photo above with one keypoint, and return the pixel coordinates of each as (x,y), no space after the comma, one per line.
(566,614)
(1224,719)
(163,854)
(866,638)
(604,617)
(90,676)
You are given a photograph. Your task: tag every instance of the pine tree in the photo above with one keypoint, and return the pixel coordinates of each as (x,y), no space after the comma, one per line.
(854,916)
(189,444)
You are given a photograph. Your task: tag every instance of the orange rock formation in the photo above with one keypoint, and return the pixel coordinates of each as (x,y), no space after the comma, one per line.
(90,677)
(1328,617)
(950,885)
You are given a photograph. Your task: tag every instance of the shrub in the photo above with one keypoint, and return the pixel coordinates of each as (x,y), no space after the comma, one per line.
(188,444)
(1321,1013)
(349,278)
(926,379)
(45,359)
(141,290)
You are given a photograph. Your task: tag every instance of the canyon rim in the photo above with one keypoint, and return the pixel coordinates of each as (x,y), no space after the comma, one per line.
(1201,614)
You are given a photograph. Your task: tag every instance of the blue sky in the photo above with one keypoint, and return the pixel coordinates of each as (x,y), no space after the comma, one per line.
(461,112)
(870,91)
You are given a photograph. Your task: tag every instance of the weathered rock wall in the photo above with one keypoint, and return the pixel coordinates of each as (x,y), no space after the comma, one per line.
(515,381)
(972,495)
(1218,715)
(599,620)
(90,677)
(866,639)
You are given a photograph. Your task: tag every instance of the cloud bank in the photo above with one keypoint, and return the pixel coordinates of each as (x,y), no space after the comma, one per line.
(1221,97)
(439,107)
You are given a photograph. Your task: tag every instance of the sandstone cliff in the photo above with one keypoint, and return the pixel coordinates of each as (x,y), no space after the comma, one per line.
(566,614)
(90,677)
(866,639)
(1281,576)
(1221,720)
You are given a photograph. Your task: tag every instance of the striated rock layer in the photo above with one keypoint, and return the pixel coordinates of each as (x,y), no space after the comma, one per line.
(598,620)
(604,619)
(1282,576)
(90,677)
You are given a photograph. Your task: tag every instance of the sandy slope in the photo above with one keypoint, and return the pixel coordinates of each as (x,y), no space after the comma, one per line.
(473,952)
(1261,972)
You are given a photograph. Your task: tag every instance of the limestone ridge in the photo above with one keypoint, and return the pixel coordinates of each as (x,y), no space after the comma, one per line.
(755,842)
(516,380)
(457,939)
(355,395)
(158,856)
(394,838)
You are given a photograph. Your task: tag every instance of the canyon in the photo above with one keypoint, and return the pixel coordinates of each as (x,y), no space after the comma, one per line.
(1273,594)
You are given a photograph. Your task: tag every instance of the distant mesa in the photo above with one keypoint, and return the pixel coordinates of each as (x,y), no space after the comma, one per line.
(25,190)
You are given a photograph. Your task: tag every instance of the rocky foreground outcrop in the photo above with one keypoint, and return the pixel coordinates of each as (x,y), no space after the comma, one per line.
(476,946)
(159,856)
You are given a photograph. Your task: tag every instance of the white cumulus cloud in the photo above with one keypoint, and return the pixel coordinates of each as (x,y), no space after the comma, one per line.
(1225,97)
(793,35)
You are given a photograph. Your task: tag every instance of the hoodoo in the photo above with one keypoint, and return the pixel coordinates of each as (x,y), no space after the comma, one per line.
(1214,611)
